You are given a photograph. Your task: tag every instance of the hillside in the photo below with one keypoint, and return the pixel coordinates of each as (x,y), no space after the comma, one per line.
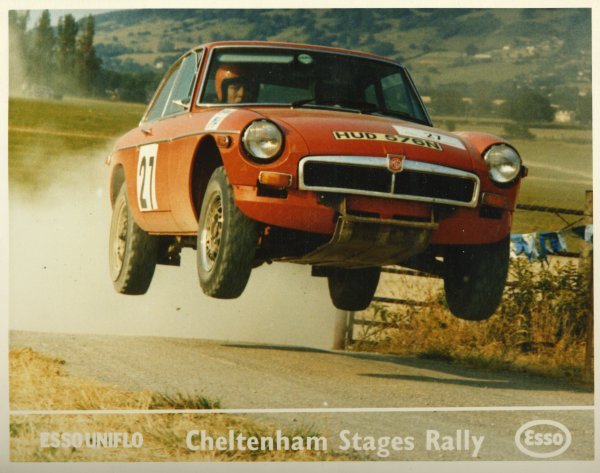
(539,48)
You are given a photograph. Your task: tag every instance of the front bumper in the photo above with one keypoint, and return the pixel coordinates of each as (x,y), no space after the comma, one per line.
(326,187)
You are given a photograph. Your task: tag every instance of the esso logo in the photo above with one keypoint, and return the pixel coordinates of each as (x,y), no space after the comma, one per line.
(543,438)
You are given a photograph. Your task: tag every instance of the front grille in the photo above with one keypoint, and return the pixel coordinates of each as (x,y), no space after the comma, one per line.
(434,185)
(365,175)
(346,177)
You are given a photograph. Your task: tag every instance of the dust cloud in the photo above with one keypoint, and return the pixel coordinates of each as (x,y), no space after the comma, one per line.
(17,76)
(59,279)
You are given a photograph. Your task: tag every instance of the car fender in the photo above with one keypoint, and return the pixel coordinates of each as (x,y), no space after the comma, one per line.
(243,170)
(481,141)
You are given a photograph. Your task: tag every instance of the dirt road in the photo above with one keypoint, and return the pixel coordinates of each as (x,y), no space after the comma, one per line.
(334,392)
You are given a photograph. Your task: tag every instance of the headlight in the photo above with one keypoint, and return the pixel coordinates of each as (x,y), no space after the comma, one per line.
(263,140)
(503,162)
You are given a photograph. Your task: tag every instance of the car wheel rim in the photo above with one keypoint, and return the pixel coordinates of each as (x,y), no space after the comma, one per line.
(210,239)
(120,240)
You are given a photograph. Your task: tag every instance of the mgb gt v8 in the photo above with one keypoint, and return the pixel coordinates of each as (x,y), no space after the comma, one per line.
(255,152)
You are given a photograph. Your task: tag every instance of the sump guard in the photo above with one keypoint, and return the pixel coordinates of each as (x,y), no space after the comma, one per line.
(362,242)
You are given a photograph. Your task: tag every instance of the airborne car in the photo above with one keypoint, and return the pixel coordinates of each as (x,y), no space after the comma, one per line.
(254,152)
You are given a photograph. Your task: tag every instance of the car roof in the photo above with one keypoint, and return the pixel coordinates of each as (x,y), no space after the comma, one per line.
(217,44)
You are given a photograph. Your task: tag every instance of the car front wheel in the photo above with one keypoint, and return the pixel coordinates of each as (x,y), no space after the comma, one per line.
(474,279)
(353,289)
(227,241)
(132,251)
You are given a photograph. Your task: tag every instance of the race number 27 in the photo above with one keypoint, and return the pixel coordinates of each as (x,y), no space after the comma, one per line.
(146,177)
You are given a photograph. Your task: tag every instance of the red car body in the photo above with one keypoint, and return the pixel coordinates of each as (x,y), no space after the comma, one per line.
(166,163)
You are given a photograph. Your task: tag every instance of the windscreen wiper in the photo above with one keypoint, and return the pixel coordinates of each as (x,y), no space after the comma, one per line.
(349,104)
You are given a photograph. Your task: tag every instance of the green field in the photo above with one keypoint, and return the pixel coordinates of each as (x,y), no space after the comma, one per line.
(48,139)
(54,136)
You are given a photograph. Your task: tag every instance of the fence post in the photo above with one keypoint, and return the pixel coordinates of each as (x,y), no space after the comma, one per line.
(340,329)
(587,267)
(350,328)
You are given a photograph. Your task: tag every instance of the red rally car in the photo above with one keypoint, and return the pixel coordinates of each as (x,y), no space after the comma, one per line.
(254,152)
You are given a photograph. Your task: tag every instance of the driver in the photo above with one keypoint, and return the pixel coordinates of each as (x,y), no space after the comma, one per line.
(233,86)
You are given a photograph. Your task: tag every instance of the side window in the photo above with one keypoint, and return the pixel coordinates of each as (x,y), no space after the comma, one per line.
(181,96)
(159,104)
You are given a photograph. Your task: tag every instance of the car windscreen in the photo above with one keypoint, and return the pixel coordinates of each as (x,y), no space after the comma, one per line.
(311,78)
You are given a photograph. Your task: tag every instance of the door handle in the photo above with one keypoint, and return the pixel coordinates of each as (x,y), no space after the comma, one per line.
(147,131)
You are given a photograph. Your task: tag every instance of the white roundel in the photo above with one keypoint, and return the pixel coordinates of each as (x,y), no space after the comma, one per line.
(543,438)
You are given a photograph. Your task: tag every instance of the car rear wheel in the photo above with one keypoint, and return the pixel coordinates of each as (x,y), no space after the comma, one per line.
(226,241)
(132,252)
(474,279)
(352,289)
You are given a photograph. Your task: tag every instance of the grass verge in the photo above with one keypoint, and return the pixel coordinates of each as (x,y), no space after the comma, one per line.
(39,382)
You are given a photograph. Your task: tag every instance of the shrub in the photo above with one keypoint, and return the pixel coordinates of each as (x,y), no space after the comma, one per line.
(543,307)
(518,130)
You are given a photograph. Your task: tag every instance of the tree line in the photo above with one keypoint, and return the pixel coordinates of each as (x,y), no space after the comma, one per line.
(510,100)
(61,59)
(50,62)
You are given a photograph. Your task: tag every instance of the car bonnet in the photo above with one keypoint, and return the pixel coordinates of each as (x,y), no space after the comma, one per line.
(345,133)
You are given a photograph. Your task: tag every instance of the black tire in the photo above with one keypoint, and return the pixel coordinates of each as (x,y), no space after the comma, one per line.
(227,241)
(353,289)
(474,279)
(132,252)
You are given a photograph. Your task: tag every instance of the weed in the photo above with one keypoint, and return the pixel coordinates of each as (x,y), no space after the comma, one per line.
(181,401)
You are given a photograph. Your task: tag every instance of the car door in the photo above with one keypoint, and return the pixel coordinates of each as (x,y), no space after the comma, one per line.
(160,129)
